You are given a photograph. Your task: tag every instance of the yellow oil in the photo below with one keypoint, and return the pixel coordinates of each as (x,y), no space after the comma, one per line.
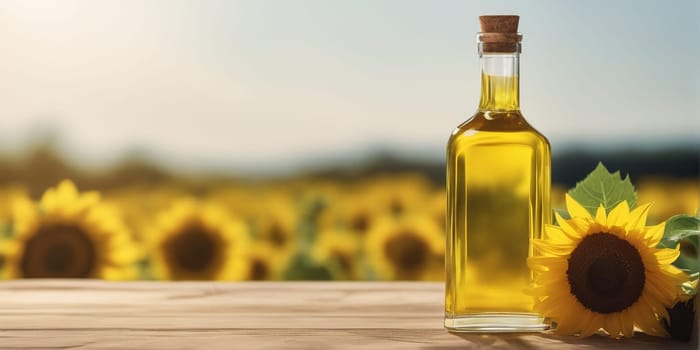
(498,179)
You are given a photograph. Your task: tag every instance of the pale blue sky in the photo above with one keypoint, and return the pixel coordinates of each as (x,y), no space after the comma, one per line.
(275,84)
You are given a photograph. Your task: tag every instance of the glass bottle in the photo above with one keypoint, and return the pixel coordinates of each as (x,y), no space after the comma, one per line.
(498,183)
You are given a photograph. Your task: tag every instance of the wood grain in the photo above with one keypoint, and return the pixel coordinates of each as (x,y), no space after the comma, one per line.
(62,314)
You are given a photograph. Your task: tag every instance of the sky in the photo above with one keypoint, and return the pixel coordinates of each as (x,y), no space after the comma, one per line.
(274,85)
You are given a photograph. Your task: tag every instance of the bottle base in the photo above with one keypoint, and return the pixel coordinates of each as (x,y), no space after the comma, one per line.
(496,322)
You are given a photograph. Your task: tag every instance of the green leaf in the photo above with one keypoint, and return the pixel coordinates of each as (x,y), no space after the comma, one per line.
(562,212)
(603,187)
(302,268)
(683,230)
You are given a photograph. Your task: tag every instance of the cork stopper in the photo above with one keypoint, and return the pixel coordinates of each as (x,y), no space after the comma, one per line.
(499,34)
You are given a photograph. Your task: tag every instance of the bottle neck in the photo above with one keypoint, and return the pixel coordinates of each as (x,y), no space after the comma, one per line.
(500,85)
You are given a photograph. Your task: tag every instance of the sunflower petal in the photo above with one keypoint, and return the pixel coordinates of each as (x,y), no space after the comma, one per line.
(555,235)
(656,306)
(644,318)
(49,200)
(596,323)
(585,319)
(9,248)
(654,234)
(600,216)
(553,249)
(667,256)
(638,217)
(590,327)
(666,296)
(25,215)
(627,324)
(546,261)
(551,278)
(566,326)
(619,216)
(576,209)
(581,226)
(569,227)
(547,306)
(612,325)
(67,188)
(652,325)
(675,274)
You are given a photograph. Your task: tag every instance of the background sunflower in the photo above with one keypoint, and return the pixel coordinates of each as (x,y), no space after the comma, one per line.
(340,251)
(195,241)
(276,222)
(266,262)
(406,248)
(68,234)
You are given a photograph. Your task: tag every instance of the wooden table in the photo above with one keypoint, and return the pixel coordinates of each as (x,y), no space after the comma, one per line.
(68,314)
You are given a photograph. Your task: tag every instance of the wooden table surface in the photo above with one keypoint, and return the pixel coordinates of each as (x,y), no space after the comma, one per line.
(70,314)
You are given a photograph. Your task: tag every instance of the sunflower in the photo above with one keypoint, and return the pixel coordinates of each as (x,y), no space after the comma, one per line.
(69,234)
(339,250)
(138,202)
(241,199)
(437,207)
(265,262)
(9,195)
(199,241)
(406,248)
(356,212)
(605,272)
(276,222)
(365,201)
(397,194)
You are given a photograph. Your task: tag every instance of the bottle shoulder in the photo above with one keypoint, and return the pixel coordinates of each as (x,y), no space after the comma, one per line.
(487,126)
(488,121)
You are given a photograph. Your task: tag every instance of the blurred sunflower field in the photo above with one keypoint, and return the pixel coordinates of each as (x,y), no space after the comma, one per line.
(384,227)
(375,226)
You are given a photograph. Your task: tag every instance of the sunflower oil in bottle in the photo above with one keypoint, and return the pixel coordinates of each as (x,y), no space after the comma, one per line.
(498,183)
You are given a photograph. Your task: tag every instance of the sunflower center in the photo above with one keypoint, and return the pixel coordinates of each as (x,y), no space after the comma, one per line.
(406,251)
(360,222)
(396,207)
(193,250)
(58,251)
(606,273)
(276,234)
(258,270)
(344,261)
